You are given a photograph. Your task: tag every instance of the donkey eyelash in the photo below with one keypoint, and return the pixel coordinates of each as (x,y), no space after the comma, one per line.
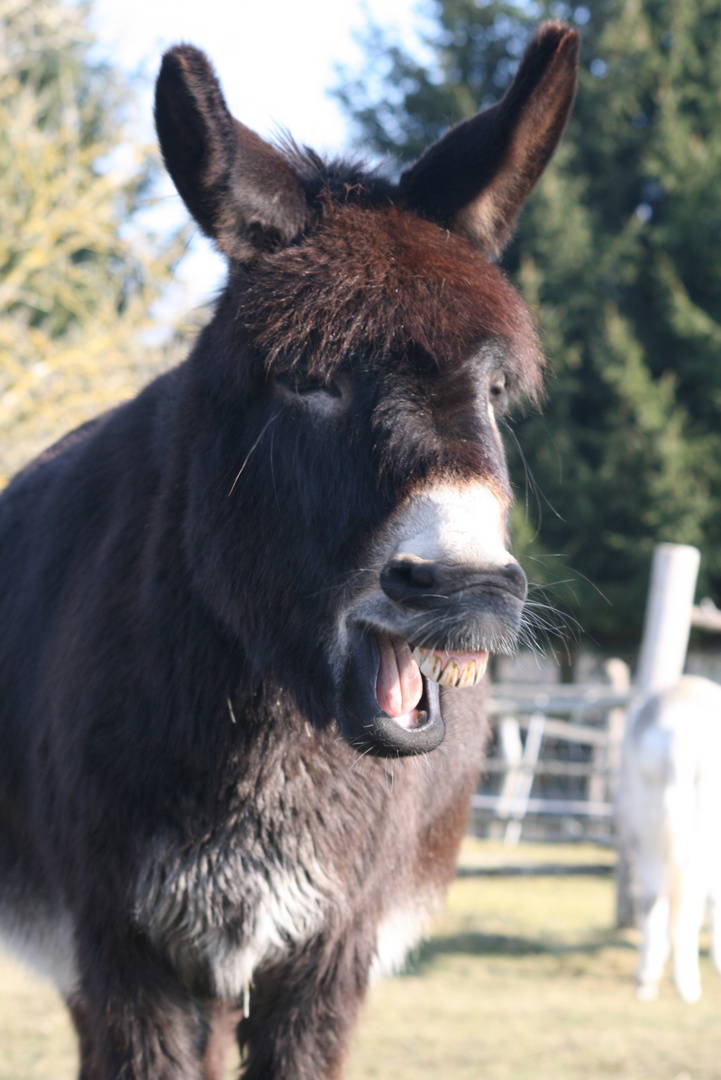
(304,386)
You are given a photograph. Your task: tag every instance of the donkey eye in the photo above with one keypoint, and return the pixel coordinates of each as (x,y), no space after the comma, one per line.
(322,399)
(304,386)
(311,386)
(498,390)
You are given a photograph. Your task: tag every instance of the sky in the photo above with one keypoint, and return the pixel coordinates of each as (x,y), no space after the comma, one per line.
(276,60)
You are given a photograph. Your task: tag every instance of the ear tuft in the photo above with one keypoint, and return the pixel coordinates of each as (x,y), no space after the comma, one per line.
(240,189)
(475,179)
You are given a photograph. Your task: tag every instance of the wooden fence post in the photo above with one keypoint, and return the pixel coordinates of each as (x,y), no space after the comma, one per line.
(511,747)
(524,781)
(668,617)
(619,676)
(666,629)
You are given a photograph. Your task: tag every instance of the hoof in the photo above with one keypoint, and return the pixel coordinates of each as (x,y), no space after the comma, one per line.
(690,994)
(646,991)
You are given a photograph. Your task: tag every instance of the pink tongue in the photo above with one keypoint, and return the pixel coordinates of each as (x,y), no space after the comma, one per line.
(400,685)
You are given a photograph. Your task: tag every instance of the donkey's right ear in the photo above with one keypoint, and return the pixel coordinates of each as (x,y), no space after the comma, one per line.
(240,189)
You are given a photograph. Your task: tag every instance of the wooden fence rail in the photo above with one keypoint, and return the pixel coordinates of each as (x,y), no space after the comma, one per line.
(589,717)
(550,807)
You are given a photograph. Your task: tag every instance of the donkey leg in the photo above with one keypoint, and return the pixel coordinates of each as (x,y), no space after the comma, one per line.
(149,1040)
(302,1015)
(134,1018)
(79,1014)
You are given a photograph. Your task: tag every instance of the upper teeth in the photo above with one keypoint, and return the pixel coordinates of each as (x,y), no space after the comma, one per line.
(454,672)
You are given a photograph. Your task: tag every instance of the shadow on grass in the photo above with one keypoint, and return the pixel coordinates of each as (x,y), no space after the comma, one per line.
(472,943)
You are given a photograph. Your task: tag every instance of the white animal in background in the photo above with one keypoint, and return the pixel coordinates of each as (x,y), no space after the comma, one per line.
(669,812)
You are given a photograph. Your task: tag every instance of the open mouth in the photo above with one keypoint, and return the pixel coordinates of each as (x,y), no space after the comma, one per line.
(400,690)
(389,700)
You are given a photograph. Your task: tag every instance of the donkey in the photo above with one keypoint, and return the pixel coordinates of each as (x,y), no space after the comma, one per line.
(229,606)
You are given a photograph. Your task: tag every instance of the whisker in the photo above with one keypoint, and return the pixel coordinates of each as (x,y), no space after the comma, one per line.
(354,765)
(252,449)
(272,471)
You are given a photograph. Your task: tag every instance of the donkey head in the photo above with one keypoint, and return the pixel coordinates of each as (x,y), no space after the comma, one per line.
(347,487)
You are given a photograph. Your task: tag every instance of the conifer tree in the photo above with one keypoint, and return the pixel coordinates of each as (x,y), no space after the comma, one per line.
(619,253)
(79,272)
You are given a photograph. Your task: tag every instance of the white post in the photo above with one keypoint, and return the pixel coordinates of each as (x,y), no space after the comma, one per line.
(509,737)
(524,782)
(667,624)
(619,676)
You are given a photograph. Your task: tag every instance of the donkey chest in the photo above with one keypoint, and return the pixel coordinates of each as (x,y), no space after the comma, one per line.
(224,909)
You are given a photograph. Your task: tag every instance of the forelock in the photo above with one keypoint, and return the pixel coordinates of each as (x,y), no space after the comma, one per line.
(376,281)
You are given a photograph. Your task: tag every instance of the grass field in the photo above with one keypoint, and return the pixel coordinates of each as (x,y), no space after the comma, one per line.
(522,978)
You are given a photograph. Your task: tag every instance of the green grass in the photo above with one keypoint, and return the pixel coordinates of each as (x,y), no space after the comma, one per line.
(522,978)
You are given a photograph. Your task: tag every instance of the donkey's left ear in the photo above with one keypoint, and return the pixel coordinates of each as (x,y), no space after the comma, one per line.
(475,179)
(240,189)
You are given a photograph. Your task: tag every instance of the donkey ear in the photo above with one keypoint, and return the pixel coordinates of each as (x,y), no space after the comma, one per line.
(475,179)
(240,190)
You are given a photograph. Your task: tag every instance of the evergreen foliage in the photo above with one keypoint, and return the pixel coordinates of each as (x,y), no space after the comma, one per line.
(619,253)
(79,272)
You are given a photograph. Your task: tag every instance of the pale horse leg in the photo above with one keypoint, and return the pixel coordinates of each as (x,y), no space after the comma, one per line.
(654,929)
(688,921)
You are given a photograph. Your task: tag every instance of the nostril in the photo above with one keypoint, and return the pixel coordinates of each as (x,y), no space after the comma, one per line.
(422,583)
(516,579)
(407,576)
(421,576)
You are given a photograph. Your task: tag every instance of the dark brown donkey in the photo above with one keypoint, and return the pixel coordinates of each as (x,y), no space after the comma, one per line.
(227,606)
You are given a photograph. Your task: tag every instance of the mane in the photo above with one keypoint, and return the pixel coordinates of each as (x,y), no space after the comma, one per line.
(339,180)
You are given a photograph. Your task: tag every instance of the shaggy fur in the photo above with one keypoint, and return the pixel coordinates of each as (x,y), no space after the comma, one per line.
(209,827)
